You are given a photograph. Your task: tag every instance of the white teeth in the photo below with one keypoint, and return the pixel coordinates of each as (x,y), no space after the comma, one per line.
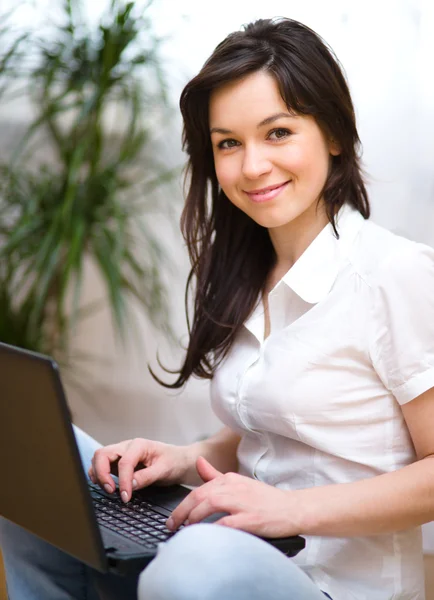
(270,190)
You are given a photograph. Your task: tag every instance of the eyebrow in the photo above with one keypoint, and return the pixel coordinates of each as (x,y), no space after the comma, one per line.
(266,121)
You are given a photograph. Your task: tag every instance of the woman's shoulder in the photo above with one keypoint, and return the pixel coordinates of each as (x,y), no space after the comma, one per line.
(380,254)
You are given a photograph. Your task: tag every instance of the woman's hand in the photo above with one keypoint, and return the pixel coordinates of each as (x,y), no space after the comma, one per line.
(165,464)
(253,506)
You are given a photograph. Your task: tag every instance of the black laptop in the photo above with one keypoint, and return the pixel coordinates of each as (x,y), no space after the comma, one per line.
(44,488)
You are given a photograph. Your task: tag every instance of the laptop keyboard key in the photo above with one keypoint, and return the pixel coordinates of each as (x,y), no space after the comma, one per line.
(135,520)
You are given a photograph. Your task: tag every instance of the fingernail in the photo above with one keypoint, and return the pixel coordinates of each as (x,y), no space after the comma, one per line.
(108,488)
(170,523)
(186,522)
(124,495)
(134,484)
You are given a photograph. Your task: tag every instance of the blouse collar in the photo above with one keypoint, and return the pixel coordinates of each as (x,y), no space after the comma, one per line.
(312,276)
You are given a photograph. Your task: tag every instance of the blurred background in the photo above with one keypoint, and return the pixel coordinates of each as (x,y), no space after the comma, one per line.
(92,264)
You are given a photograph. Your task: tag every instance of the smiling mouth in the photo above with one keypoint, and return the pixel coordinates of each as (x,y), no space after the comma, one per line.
(268,193)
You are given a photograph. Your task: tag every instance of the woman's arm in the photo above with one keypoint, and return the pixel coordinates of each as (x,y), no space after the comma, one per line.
(389,502)
(382,504)
(220,450)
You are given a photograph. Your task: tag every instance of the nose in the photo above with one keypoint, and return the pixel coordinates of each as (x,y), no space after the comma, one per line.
(255,163)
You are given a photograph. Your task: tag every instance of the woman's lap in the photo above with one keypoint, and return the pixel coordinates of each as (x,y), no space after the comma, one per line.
(210,562)
(202,561)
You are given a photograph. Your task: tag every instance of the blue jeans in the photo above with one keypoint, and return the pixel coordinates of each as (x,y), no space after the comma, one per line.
(203,562)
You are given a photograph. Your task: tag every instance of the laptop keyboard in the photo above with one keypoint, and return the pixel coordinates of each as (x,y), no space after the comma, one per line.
(137,520)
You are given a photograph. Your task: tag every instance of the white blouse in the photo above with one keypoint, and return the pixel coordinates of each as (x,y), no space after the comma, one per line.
(318,401)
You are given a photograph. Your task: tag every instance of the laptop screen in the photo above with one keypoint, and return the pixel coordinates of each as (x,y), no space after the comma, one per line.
(43,486)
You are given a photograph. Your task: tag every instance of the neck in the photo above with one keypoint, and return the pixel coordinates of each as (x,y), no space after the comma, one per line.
(292,239)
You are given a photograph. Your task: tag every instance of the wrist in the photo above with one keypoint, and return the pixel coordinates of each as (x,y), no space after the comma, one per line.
(307,510)
(220,450)
(191,454)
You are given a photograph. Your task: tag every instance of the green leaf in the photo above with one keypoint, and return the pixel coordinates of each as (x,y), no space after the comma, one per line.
(89,201)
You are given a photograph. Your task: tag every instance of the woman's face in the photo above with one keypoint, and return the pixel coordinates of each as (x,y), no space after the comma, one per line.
(271,164)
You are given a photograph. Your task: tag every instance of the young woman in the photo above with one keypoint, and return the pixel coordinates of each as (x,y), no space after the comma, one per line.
(316,328)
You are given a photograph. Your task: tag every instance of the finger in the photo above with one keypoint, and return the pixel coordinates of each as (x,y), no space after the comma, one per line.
(181,512)
(235,522)
(135,454)
(244,521)
(206,509)
(91,475)
(101,463)
(205,469)
(149,475)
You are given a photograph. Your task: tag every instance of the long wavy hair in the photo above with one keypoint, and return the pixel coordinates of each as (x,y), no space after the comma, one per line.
(231,255)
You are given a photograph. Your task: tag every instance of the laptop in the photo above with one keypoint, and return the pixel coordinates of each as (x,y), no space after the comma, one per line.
(46,491)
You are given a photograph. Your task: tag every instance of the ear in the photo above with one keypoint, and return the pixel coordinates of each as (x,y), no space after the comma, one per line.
(334,147)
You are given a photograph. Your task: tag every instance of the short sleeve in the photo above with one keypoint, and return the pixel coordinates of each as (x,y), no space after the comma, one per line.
(402,326)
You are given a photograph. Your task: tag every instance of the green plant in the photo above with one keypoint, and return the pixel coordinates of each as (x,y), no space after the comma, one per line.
(97,94)
(9,59)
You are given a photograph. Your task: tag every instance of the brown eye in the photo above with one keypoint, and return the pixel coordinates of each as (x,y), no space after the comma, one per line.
(279,134)
(226,144)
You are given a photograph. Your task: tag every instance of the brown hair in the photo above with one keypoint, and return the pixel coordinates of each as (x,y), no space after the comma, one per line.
(231,255)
